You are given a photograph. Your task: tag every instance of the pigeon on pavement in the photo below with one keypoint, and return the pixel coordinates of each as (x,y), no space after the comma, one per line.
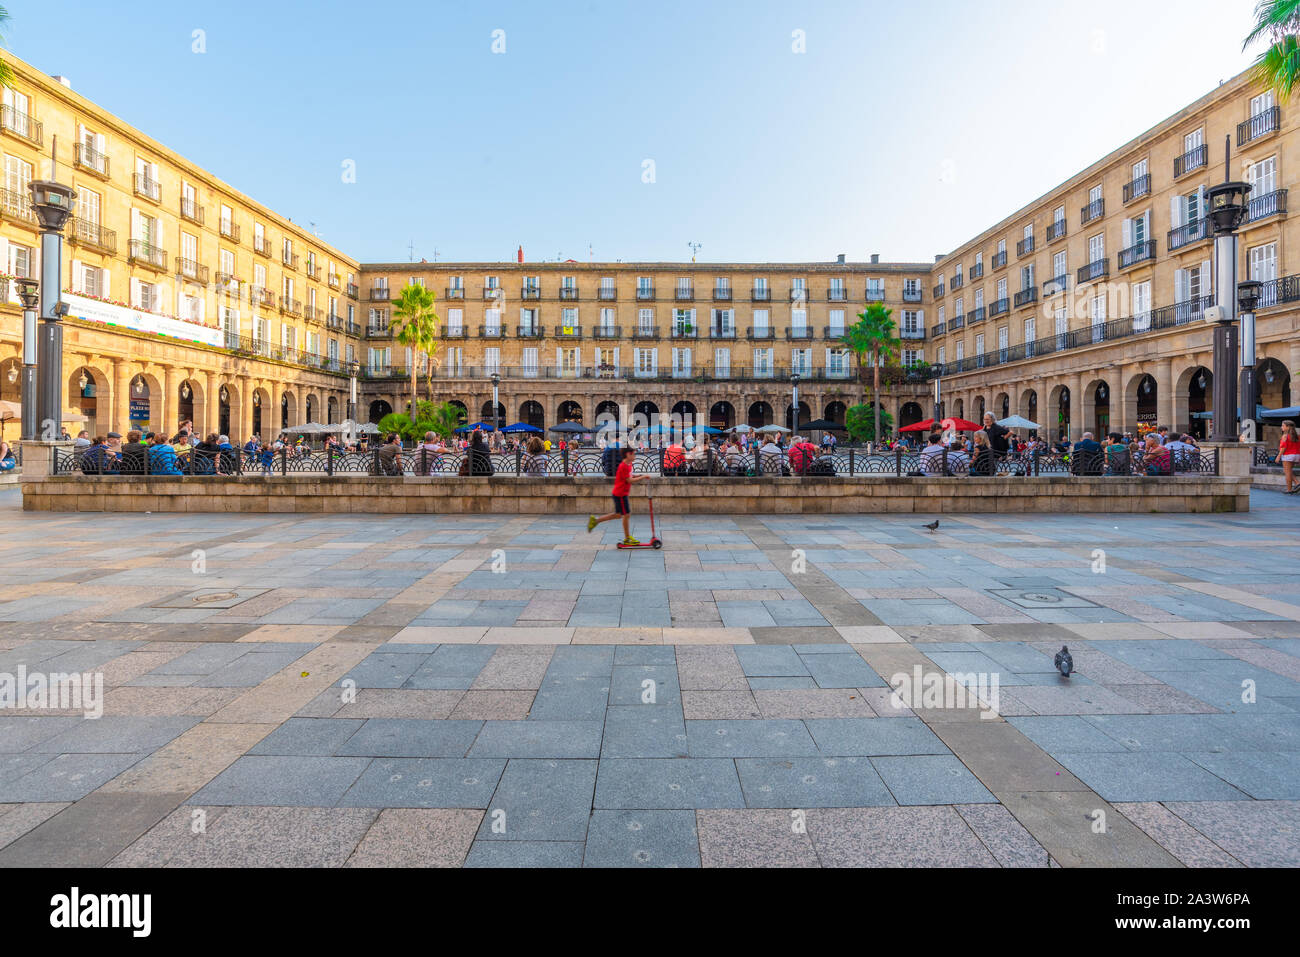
(933,525)
(1064,661)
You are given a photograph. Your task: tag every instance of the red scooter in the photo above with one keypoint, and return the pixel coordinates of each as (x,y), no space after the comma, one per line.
(654,541)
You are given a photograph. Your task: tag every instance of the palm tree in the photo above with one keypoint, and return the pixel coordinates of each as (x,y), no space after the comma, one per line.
(415,325)
(1278,67)
(6,71)
(445,419)
(872,336)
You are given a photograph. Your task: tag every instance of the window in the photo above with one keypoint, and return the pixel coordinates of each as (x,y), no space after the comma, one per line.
(644,288)
(1193,140)
(19,111)
(683,322)
(1139,169)
(92,281)
(911,287)
(763,362)
(1058,215)
(960,350)
(959,307)
(1002,250)
(647,362)
(492,322)
(912,356)
(287,250)
(799,290)
(259,276)
(724,323)
(88,206)
(1098,318)
(532,284)
(942,316)
(1096,248)
(491,360)
(332,351)
(1136,231)
(979,299)
(836,322)
(837,287)
(455,321)
(1003,341)
(1263,262)
(799,320)
(527,322)
(837,362)
(801,361)
(912,324)
(979,348)
(570,362)
(530,362)
(227,219)
(1027,277)
(760,287)
(1062,320)
(684,286)
(1028,233)
(259,237)
(722,284)
(18,174)
(645,322)
(455,282)
(22,261)
(1141,305)
(760,321)
(226,260)
(1002,288)
(1262,177)
(1094,194)
(568,321)
(1059,267)
(607,321)
(681,362)
(722,362)
(942,353)
(567,283)
(1262,103)
(1029,336)
(875,289)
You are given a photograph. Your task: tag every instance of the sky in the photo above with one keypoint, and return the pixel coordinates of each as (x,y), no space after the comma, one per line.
(763,131)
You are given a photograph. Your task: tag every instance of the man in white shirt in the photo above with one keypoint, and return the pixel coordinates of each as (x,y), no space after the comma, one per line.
(932,455)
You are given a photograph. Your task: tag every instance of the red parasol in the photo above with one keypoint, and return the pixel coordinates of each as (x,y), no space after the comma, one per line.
(960,425)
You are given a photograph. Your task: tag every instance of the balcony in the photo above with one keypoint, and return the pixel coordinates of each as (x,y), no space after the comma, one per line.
(722,332)
(684,294)
(1000,307)
(875,293)
(722,294)
(799,294)
(761,295)
(1192,159)
(998,260)
(1024,247)
(313,271)
(1270,204)
(1055,230)
(938,292)
(492,293)
(452,292)
(682,332)
(955,283)
(607,293)
(1056,285)
(497,332)
(530,331)
(192,270)
(912,295)
(90,159)
(290,305)
(352,328)
(569,293)
(312,314)
(353,290)
(333,279)
(21,125)
(646,332)
(956,322)
(382,332)
(1139,187)
(525,292)
(977,271)
(911,333)
(793,334)
(1259,126)
(645,293)
(1193,232)
(1137,253)
(289,261)
(263,297)
(226,279)
(261,246)
(1094,210)
(607,332)
(837,294)
(192,211)
(379,294)
(761,332)
(1094,270)
(83,232)
(334,321)
(146,254)
(230,230)
(147,188)
(938,329)
(976,315)
(1026,297)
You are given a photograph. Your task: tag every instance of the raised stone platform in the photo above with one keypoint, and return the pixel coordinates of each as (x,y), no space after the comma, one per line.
(581,496)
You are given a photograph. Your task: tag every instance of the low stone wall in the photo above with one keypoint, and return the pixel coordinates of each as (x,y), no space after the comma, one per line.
(581,496)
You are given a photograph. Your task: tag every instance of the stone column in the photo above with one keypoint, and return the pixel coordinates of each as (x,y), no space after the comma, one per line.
(170,401)
(245,409)
(1165,405)
(121,397)
(1077,424)
(211,404)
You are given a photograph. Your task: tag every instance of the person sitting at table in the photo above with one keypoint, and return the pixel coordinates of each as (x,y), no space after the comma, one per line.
(1087,457)
(1156,458)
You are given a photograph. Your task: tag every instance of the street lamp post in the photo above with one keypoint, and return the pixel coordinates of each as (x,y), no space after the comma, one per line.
(1227,208)
(29,294)
(794,420)
(52,204)
(1247,301)
(496,405)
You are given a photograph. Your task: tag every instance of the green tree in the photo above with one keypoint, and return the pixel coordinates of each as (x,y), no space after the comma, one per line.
(415,325)
(1278,66)
(860,421)
(6,71)
(872,338)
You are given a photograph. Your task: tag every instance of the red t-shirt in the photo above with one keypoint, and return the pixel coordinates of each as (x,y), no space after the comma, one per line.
(1289,446)
(623,479)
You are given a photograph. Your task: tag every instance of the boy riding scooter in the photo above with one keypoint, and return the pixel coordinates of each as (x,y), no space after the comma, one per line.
(623,480)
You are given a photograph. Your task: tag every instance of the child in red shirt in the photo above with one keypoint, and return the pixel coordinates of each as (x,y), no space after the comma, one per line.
(623,480)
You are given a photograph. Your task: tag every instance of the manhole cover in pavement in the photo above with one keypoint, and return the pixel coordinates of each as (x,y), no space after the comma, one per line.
(1041,598)
(211,598)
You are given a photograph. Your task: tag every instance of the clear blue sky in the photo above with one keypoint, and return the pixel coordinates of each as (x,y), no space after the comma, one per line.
(904,129)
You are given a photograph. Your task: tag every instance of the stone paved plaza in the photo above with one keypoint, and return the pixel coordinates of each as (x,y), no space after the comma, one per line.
(509,690)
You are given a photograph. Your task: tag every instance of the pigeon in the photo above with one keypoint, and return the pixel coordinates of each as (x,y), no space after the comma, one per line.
(933,525)
(1064,661)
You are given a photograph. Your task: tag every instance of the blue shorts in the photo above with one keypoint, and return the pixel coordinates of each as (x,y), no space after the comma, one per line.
(620,505)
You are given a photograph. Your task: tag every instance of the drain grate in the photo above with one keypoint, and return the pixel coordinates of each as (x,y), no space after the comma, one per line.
(1041,598)
(211,598)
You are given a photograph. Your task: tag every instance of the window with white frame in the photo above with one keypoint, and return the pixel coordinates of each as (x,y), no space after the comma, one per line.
(763,362)
(647,362)
(527,322)
(455,321)
(607,321)
(645,322)
(760,321)
(801,361)
(836,317)
(722,362)
(1262,262)
(491,360)
(22,261)
(530,362)
(681,361)
(798,320)
(568,321)
(837,363)
(912,356)
(492,322)
(1141,305)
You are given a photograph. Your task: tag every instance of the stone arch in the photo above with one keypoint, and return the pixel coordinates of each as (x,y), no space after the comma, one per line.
(1094,409)
(145,402)
(570,410)
(760,414)
(1001,406)
(93,400)
(722,415)
(487,417)
(191,403)
(312,411)
(1027,405)
(1059,418)
(835,412)
(1272,384)
(959,408)
(1141,396)
(532,412)
(332,410)
(1193,396)
(909,413)
(288,412)
(380,408)
(805,414)
(230,411)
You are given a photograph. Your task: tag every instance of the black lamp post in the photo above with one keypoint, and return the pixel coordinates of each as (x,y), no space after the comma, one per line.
(1247,300)
(1227,209)
(52,204)
(794,420)
(29,294)
(496,404)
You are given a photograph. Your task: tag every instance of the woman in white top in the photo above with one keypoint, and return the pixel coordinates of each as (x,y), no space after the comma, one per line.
(430,452)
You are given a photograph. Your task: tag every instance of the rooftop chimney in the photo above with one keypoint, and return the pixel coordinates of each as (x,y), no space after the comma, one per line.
(64,81)
(840,258)
(875,259)
(938,256)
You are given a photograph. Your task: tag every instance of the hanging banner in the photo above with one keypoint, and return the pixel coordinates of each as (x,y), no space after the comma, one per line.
(109,314)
